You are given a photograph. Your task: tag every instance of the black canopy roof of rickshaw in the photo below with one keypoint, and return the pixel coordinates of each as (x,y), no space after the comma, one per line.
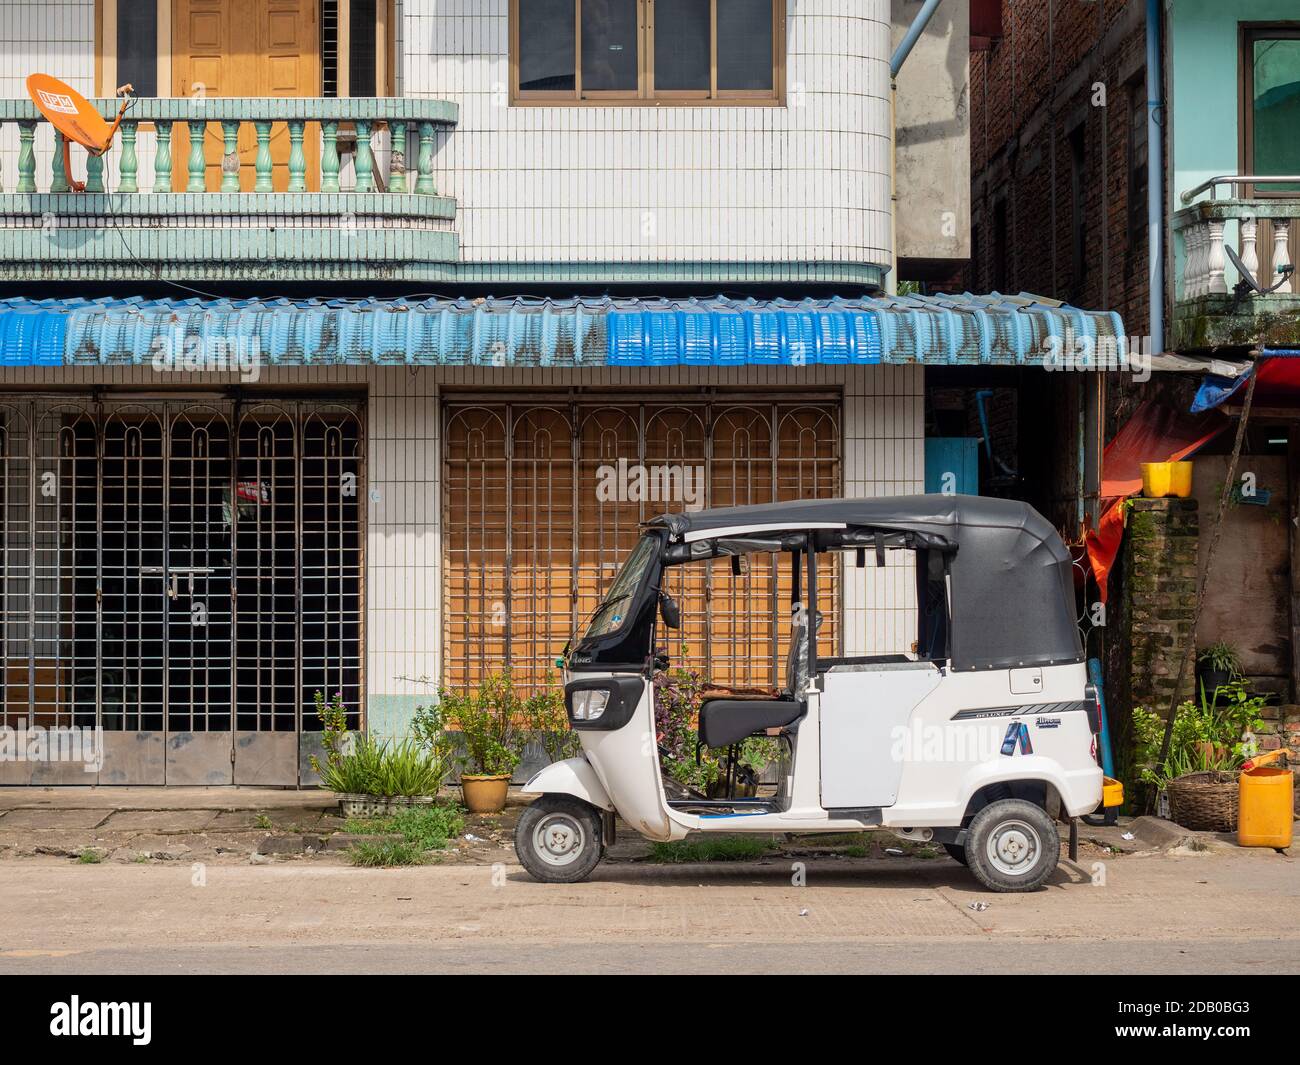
(945,515)
(1012,586)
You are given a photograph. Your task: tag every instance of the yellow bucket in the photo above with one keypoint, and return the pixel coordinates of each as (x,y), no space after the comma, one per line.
(1112,792)
(1160,479)
(1266,808)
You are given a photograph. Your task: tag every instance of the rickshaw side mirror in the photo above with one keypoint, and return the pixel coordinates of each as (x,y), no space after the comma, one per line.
(670,611)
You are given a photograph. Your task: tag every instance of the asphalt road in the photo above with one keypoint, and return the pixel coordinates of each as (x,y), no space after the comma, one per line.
(1135,956)
(1228,912)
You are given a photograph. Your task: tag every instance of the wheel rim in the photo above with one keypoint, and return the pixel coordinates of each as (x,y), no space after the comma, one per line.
(1013,848)
(559,839)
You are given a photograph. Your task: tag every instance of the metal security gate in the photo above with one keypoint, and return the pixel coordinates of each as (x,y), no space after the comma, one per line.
(183,575)
(538,516)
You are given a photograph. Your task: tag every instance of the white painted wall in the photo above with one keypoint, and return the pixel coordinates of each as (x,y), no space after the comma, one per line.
(932,114)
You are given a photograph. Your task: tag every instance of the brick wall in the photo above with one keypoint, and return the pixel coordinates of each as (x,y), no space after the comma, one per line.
(1149,616)
(1065,81)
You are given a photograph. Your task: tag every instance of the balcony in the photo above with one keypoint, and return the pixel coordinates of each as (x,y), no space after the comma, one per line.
(234,190)
(1213,307)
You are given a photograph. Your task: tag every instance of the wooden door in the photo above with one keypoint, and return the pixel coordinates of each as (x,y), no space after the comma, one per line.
(246,48)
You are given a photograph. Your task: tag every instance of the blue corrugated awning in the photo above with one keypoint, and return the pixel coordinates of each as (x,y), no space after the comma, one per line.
(952,330)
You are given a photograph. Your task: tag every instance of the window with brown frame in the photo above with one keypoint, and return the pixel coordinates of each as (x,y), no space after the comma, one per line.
(1270,70)
(647,51)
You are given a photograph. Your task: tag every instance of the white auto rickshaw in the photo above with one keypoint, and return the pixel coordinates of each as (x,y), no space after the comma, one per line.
(980,739)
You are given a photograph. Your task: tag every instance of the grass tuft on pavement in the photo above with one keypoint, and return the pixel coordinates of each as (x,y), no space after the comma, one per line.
(429,827)
(706,849)
(385,854)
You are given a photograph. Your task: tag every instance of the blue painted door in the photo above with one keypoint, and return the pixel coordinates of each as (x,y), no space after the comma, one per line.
(952,465)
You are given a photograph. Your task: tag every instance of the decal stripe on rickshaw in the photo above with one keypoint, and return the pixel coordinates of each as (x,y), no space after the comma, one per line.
(1029,709)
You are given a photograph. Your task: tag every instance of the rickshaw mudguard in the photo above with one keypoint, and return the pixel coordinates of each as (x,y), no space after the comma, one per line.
(1079,789)
(573,776)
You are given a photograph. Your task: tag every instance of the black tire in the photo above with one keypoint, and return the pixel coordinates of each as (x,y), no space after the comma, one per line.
(956,852)
(575,848)
(1012,845)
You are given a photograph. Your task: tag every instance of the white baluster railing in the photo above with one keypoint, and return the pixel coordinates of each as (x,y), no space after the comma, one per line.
(1281,254)
(1205,226)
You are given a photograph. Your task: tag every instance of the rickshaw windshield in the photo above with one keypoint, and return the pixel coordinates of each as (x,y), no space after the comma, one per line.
(612,613)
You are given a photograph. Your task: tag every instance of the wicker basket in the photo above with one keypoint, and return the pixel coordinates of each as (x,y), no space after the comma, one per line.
(1204,802)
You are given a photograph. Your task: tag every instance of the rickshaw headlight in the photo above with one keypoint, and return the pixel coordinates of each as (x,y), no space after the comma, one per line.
(589,705)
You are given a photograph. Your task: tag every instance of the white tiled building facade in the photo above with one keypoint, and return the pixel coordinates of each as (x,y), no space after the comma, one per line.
(804,182)
(807,182)
(882,454)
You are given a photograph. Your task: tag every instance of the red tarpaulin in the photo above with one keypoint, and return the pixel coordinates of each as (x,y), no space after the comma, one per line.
(1155,433)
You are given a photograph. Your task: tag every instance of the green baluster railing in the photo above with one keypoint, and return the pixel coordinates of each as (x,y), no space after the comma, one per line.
(26,157)
(397,157)
(329,158)
(424,184)
(230,155)
(297,160)
(262,162)
(412,125)
(365,160)
(130,163)
(162,157)
(198,165)
(94,173)
(58,179)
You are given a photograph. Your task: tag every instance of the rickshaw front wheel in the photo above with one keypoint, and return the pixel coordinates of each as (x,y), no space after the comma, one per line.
(558,839)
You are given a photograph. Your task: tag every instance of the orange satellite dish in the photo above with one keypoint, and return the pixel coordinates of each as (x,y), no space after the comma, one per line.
(75,117)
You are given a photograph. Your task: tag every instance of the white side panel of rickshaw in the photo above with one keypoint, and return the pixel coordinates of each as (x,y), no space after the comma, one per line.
(946,761)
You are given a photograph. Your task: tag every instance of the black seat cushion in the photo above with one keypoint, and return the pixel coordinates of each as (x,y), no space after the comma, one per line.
(727,721)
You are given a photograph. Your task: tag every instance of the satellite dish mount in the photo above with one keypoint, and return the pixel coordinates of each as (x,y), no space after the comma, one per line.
(76,118)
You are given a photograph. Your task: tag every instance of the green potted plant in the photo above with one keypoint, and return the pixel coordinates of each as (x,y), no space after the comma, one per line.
(755,755)
(374,778)
(545,718)
(1211,738)
(1217,665)
(487,719)
(677,698)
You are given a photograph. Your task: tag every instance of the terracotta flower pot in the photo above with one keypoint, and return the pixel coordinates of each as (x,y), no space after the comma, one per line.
(485,794)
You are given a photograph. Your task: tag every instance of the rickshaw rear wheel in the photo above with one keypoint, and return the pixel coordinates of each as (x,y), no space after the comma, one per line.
(558,839)
(1012,845)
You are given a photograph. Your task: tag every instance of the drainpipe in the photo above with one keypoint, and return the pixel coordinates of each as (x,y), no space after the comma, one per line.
(1155,180)
(896,62)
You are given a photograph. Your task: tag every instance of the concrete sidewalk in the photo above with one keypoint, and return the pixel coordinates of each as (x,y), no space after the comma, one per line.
(140,798)
(225,825)
(212,825)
